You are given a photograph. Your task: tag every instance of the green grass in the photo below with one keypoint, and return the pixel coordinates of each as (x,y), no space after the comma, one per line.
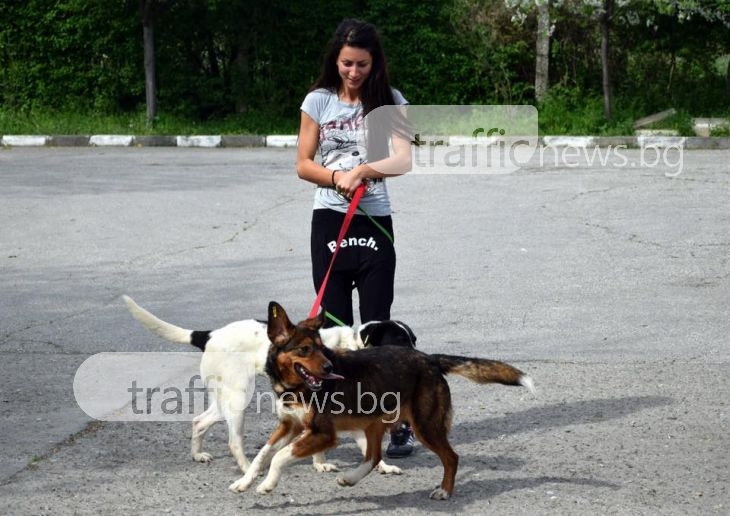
(721,131)
(572,112)
(561,114)
(51,122)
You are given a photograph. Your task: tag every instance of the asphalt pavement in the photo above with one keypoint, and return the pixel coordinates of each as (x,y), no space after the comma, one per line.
(606,278)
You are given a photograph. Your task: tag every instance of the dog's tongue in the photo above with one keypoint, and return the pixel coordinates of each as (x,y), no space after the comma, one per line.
(333,376)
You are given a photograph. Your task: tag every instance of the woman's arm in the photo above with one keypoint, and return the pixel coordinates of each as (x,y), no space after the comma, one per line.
(307,168)
(395,165)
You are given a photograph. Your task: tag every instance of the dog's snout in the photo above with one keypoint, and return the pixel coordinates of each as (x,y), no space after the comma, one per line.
(327,367)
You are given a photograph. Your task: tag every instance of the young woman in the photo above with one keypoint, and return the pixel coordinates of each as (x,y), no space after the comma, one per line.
(353,83)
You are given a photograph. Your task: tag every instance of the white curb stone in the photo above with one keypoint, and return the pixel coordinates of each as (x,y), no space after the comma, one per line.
(656,132)
(569,141)
(281,140)
(471,140)
(111,140)
(661,141)
(199,141)
(20,140)
(704,126)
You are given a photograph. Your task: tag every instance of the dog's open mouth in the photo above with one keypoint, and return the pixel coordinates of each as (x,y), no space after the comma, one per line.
(314,382)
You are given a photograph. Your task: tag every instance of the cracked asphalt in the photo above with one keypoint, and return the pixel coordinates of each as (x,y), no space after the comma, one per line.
(607,282)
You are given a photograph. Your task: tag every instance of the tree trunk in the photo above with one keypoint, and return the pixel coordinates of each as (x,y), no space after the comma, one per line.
(542,61)
(240,78)
(605,21)
(150,86)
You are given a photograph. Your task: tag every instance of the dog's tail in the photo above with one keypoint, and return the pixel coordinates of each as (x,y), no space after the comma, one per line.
(166,330)
(481,370)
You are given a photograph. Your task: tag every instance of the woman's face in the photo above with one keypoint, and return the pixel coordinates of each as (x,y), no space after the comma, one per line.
(354,65)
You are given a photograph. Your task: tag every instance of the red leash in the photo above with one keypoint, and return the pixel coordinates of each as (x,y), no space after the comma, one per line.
(343,230)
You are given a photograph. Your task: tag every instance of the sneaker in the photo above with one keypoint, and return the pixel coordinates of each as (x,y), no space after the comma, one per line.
(401,442)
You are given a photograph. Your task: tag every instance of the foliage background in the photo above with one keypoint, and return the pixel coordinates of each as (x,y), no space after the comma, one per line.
(244,66)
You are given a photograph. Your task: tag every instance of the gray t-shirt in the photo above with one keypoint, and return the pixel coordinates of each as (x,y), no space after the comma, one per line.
(340,124)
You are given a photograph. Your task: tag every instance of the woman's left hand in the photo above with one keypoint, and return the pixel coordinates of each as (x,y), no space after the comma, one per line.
(348,183)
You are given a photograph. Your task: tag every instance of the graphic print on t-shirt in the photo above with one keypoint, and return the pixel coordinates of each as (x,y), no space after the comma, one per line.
(340,140)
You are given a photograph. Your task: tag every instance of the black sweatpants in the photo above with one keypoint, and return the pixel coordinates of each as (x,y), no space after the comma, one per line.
(365,261)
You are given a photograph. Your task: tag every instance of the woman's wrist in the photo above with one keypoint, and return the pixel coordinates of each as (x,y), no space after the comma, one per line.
(365,172)
(359,172)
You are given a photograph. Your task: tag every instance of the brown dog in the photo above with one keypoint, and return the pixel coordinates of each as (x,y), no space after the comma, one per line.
(322,392)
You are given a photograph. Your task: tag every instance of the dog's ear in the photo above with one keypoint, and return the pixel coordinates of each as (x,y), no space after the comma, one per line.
(279,327)
(315,323)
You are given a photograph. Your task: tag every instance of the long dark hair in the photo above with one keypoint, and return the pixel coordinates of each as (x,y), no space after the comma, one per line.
(375,91)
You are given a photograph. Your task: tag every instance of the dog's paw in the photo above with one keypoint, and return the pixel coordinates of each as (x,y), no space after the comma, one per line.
(202,457)
(439,494)
(240,485)
(324,467)
(387,469)
(265,487)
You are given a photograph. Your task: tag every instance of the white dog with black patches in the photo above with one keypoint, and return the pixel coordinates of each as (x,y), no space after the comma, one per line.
(235,353)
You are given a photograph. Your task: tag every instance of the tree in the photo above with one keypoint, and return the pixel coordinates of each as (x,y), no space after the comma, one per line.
(605,17)
(252,62)
(603,10)
(148,35)
(710,10)
(522,8)
(499,55)
(542,50)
